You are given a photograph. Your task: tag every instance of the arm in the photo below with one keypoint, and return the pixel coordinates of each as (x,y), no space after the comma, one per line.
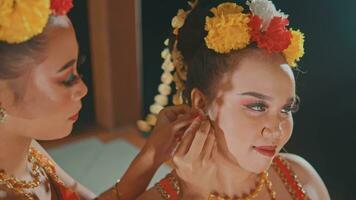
(157,150)
(151,194)
(81,190)
(194,169)
(139,175)
(136,178)
(309,177)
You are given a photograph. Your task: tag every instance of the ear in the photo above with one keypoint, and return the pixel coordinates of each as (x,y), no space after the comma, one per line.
(199,100)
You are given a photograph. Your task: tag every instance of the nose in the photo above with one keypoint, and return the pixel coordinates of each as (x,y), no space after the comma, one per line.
(272,133)
(273,129)
(80,91)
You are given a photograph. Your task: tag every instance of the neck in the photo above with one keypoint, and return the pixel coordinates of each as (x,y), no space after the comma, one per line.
(14,153)
(233,180)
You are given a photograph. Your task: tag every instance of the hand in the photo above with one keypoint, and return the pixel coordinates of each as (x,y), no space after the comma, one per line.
(170,126)
(194,160)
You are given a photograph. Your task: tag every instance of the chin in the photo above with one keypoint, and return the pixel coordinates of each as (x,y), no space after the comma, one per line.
(257,164)
(55,134)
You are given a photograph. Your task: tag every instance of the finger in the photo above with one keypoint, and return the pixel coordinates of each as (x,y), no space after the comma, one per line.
(182,123)
(199,139)
(214,150)
(180,132)
(208,145)
(174,111)
(188,137)
(219,135)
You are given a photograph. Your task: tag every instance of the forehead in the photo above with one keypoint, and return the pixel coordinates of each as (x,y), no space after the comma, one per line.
(61,34)
(62,44)
(260,71)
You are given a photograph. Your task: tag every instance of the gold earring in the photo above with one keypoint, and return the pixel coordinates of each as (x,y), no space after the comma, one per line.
(3,114)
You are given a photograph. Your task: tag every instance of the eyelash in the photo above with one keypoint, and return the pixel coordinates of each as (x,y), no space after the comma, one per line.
(72,79)
(261,107)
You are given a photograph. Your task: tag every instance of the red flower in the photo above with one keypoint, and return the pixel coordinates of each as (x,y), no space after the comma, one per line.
(61,7)
(275,39)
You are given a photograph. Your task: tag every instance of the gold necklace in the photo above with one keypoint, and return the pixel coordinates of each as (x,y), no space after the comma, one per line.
(20,186)
(46,164)
(271,193)
(263,180)
(39,163)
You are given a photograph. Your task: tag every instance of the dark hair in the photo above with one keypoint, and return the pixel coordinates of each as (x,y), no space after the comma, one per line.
(15,59)
(204,66)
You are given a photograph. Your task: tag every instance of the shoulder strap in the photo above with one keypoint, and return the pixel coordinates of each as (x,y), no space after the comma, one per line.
(289,178)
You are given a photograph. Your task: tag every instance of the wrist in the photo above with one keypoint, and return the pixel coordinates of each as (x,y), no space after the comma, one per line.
(148,155)
(190,193)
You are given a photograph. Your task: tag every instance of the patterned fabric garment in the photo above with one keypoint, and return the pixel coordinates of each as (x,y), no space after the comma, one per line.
(167,187)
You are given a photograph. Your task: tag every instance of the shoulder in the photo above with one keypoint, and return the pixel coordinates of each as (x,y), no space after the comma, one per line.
(308,176)
(64,176)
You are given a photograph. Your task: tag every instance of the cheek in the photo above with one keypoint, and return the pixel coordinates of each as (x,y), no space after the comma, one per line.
(240,130)
(287,128)
(45,98)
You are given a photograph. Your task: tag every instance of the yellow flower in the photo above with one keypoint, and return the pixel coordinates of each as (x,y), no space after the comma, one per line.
(228,29)
(20,20)
(296,48)
(226,9)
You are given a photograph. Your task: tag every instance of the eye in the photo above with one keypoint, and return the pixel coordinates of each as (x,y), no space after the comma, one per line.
(260,107)
(293,108)
(71,80)
(287,110)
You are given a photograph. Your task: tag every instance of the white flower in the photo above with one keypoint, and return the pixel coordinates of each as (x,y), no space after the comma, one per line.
(166,42)
(266,10)
(178,21)
(165,53)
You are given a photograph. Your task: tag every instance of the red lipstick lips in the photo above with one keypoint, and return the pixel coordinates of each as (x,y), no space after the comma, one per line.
(269,151)
(74,117)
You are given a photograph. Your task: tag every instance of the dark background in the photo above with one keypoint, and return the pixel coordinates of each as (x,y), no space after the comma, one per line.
(324,131)
(79,18)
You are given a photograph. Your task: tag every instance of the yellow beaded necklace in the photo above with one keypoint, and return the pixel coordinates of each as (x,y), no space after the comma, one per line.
(263,180)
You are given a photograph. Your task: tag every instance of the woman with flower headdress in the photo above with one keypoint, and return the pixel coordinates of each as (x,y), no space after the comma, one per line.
(40,97)
(236,67)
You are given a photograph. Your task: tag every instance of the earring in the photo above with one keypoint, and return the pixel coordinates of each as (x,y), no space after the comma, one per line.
(3,114)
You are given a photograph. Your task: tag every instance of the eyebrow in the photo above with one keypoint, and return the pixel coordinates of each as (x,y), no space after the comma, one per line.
(256,95)
(67,65)
(266,97)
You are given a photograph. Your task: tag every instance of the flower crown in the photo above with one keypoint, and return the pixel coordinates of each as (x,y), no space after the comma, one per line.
(21,20)
(231,29)
(228,29)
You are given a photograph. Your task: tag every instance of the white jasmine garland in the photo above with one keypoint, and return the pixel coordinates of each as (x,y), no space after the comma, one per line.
(266,10)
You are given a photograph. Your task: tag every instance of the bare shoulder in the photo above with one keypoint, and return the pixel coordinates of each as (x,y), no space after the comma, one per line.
(308,176)
(68,180)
